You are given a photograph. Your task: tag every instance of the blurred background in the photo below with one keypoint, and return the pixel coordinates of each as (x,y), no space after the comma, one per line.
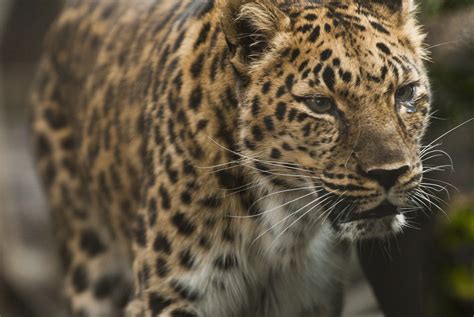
(442,247)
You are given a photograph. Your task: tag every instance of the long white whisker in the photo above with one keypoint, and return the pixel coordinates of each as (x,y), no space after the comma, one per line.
(442,182)
(288,216)
(298,219)
(274,208)
(451,130)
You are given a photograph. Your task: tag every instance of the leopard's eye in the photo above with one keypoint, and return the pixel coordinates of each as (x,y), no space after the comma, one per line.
(404,97)
(405,94)
(319,104)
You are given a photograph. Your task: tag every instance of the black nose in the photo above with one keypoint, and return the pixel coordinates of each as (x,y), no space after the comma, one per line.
(387,178)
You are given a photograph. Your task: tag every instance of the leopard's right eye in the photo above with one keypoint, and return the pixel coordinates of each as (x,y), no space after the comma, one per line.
(319,104)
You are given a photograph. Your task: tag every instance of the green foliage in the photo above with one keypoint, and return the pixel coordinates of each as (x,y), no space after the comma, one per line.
(435,7)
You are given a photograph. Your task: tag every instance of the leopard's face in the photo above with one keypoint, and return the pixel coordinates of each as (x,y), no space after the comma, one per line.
(337,105)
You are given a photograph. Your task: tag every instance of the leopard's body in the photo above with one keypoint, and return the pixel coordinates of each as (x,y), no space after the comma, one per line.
(187,172)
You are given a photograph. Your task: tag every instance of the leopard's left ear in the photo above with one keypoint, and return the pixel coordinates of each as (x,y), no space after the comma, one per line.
(250,26)
(402,10)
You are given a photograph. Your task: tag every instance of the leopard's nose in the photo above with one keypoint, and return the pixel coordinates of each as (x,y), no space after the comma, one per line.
(387,177)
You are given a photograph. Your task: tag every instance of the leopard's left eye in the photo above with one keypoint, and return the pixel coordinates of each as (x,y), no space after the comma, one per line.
(319,104)
(405,94)
(404,97)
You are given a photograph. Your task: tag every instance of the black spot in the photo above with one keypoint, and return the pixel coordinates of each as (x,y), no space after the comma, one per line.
(91,243)
(280,110)
(140,232)
(327,27)
(336,62)
(226,179)
(107,12)
(307,129)
(314,34)
(326,54)
(202,35)
(268,121)
(188,168)
(183,291)
(379,27)
(287,147)
(68,143)
(266,87)
(157,303)
(165,198)
(152,211)
(144,276)
(80,280)
(179,40)
(294,54)
(346,77)
(55,119)
(105,285)
(226,262)
(305,28)
(384,48)
(43,147)
(196,98)
(303,65)
(182,313)
(186,259)
(196,67)
(162,244)
(249,144)
(281,91)
(328,77)
(186,198)
(383,72)
(162,268)
(276,154)
(184,226)
(292,114)
(204,242)
(257,133)
(317,68)
(228,234)
(211,202)
(311,17)
(289,81)
(301,117)
(256,106)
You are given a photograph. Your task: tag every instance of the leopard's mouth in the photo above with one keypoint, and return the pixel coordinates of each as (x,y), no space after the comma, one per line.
(383,210)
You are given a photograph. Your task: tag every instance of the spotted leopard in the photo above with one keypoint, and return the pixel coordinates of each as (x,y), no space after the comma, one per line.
(217,158)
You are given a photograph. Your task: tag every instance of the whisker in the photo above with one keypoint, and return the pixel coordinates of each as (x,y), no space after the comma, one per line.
(219,165)
(451,130)
(442,182)
(442,44)
(288,216)
(254,159)
(240,189)
(274,208)
(298,219)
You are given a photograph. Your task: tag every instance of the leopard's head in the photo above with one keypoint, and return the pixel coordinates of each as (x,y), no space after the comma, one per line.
(334,99)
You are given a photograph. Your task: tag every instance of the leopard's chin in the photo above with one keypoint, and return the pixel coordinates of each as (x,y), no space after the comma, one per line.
(372,227)
(383,220)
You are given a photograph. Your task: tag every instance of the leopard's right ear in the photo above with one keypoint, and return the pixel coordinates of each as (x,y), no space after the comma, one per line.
(249,26)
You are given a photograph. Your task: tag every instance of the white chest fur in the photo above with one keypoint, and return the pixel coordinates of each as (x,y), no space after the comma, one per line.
(300,257)
(282,272)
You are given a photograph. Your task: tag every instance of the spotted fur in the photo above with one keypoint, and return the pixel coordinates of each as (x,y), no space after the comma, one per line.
(187,170)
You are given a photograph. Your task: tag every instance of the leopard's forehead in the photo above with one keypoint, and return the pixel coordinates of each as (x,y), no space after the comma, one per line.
(348,50)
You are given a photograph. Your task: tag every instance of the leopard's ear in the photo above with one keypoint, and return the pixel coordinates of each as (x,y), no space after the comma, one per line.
(249,27)
(402,10)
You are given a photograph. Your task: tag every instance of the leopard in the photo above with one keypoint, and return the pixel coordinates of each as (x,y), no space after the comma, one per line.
(222,157)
